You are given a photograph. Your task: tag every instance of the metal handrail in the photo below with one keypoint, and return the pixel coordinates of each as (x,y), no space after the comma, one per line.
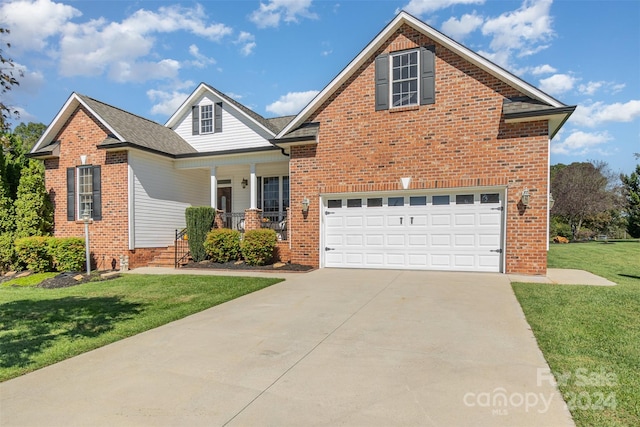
(181,246)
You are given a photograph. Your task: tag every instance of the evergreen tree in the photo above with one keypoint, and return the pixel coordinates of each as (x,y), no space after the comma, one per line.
(34,212)
(631,185)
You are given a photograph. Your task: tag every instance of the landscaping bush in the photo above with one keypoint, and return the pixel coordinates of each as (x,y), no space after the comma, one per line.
(68,253)
(199,222)
(223,245)
(7,252)
(33,253)
(259,246)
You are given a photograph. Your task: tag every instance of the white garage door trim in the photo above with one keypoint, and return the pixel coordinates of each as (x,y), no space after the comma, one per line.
(415,230)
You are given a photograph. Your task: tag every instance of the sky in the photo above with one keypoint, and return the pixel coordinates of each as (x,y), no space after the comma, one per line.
(274,56)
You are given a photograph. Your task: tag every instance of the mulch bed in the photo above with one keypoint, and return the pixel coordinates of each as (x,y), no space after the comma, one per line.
(244,266)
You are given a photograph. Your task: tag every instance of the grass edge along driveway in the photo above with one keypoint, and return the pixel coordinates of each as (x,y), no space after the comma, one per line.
(39,327)
(590,335)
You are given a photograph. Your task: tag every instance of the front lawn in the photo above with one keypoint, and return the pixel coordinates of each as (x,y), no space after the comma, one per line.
(590,335)
(39,326)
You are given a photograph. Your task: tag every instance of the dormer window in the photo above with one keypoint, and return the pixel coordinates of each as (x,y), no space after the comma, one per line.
(405,78)
(206,118)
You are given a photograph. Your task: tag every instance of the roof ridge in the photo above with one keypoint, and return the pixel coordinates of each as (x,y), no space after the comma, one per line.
(119,109)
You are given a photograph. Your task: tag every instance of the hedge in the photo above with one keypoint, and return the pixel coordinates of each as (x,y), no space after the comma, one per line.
(40,254)
(259,246)
(223,245)
(199,222)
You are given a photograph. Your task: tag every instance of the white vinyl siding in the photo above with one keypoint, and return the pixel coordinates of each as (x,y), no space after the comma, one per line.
(238,133)
(161,195)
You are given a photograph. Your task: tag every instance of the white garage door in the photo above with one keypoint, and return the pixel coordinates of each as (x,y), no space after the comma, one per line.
(435,231)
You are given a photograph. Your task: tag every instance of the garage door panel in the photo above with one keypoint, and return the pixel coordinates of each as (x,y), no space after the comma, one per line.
(464,237)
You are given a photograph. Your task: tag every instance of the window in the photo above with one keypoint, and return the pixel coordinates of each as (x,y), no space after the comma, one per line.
(404,80)
(375,202)
(440,200)
(464,199)
(418,201)
(354,203)
(84,192)
(395,201)
(273,196)
(490,198)
(334,203)
(206,118)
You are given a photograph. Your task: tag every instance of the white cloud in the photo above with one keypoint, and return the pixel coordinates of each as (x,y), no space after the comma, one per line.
(291,103)
(30,81)
(33,22)
(166,103)
(557,84)
(543,69)
(421,7)
(592,87)
(247,40)
(200,60)
(123,72)
(459,28)
(521,29)
(581,143)
(599,113)
(270,14)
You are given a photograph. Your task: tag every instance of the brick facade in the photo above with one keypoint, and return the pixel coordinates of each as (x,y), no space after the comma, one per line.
(460,141)
(108,237)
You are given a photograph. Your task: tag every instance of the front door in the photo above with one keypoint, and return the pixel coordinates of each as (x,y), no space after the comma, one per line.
(224,204)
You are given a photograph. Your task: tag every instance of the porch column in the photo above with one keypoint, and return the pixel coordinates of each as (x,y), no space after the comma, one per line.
(214,188)
(253,186)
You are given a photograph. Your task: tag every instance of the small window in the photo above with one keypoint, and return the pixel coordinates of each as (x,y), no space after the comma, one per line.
(335,203)
(375,202)
(440,200)
(464,199)
(206,119)
(354,203)
(85,191)
(490,198)
(396,201)
(418,201)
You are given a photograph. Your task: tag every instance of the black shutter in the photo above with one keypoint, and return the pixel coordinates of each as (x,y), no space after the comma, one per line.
(97,196)
(382,82)
(217,117)
(71,194)
(195,120)
(427,75)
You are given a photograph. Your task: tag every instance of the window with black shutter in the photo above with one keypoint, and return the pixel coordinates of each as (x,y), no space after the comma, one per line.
(84,192)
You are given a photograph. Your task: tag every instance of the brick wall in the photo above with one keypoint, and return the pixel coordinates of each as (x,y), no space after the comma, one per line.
(460,141)
(108,237)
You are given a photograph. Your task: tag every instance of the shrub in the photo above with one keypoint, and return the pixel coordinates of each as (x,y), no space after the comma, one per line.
(33,253)
(223,245)
(7,252)
(34,211)
(259,246)
(199,222)
(68,253)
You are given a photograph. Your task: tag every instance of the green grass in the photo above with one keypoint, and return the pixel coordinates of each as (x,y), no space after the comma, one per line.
(590,335)
(39,327)
(30,280)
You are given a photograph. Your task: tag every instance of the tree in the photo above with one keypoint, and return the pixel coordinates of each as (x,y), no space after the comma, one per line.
(631,186)
(29,134)
(582,191)
(34,212)
(7,81)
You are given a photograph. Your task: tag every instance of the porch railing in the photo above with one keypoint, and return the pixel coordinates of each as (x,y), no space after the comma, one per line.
(275,220)
(181,246)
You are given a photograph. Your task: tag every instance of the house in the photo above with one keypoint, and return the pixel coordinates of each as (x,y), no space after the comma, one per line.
(419,154)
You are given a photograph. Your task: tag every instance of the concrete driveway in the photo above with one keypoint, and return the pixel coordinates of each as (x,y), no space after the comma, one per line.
(331,347)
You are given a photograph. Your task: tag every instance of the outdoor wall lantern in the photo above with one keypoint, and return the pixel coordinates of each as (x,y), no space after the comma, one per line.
(305,205)
(83,159)
(551,201)
(86,218)
(244,182)
(525,197)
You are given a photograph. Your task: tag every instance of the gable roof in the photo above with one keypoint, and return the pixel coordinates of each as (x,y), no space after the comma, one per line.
(403,18)
(126,129)
(271,126)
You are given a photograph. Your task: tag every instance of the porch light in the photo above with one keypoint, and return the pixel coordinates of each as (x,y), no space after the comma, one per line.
(83,159)
(244,182)
(525,197)
(305,205)
(551,201)
(86,218)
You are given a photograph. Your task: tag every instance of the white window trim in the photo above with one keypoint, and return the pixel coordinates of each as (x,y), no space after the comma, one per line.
(78,194)
(201,119)
(281,207)
(392,81)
